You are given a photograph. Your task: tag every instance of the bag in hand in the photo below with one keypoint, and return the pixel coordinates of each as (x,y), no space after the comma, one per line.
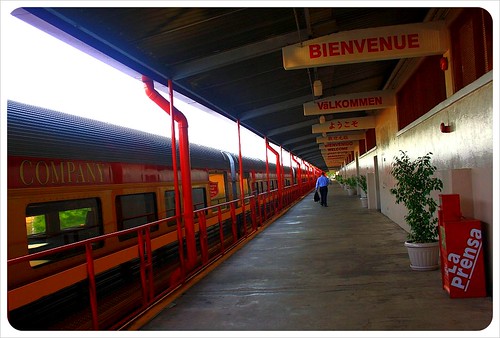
(316,196)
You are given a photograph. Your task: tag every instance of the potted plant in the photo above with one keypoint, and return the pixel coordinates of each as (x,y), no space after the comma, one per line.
(415,183)
(340,180)
(351,185)
(362,184)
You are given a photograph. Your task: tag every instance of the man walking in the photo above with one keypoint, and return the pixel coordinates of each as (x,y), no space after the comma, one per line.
(322,184)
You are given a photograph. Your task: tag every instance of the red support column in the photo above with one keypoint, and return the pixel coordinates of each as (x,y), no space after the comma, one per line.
(242,185)
(178,222)
(185,167)
(278,173)
(299,173)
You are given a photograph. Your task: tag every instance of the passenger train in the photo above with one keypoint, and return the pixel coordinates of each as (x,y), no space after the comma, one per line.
(93,234)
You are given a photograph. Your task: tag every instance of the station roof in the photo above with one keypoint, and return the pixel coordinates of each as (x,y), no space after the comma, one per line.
(230,59)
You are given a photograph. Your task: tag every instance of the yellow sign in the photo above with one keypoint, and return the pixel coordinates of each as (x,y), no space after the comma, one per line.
(350,102)
(336,144)
(337,149)
(353,123)
(340,138)
(370,44)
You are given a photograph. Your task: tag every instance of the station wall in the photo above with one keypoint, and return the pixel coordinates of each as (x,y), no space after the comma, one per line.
(464,156)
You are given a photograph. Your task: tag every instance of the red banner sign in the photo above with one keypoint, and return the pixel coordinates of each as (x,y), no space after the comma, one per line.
(214,189)
(461,245)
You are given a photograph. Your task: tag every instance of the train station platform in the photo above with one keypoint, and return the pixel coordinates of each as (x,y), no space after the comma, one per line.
(339,268)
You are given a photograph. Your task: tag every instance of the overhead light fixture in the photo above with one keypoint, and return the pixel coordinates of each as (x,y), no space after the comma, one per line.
(322,119)
(318,88)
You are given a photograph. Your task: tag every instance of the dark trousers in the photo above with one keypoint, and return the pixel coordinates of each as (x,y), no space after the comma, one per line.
(323,192)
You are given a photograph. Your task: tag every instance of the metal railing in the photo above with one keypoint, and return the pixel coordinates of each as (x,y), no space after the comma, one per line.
(219,229)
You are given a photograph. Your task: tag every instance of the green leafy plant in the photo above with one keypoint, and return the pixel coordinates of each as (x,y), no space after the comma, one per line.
(362,183)
(351,181)
(339,179)
(415,182)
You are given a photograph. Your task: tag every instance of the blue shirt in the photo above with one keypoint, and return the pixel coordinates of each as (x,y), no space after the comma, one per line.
(322,181)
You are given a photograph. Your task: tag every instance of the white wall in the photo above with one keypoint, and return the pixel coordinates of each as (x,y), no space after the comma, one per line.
(464,157)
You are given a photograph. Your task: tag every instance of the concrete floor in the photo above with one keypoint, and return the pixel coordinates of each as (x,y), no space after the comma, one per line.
(339,268)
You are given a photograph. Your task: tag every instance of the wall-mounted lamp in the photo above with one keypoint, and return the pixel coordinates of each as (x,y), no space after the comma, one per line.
(445,128)
(322,119)
(443,63)
(318,88)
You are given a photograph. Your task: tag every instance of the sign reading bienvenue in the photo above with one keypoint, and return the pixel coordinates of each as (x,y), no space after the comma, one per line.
(353,123)
(370,44)
(350,102)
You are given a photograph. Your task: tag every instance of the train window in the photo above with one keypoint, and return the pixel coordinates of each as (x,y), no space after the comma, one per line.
(135,210)
(238,190)
(199,198)
(255,188)
(52,224)
(263,186)
(170,205)
(246,187)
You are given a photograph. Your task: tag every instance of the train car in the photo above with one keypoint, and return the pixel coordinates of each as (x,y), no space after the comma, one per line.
(73,179)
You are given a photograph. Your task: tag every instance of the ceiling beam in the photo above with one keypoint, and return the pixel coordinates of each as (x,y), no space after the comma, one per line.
(306,146)
(299,139)
(291,127)
(310,151)
(298,101)
(235,55)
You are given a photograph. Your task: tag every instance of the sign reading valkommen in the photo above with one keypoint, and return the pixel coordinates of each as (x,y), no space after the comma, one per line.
(350,102)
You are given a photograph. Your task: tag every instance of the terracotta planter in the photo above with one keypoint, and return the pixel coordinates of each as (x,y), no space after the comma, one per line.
(423,256)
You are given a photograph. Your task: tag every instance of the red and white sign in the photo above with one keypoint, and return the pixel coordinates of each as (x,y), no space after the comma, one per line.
(214,189)
(336,144)
(335,159)
(461,250)
(350,102)
(353,123)
(338,156)
(336,153)
(370,44)
(463,264)
(337,149)
(335,156)
(333,164)
(344,137)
